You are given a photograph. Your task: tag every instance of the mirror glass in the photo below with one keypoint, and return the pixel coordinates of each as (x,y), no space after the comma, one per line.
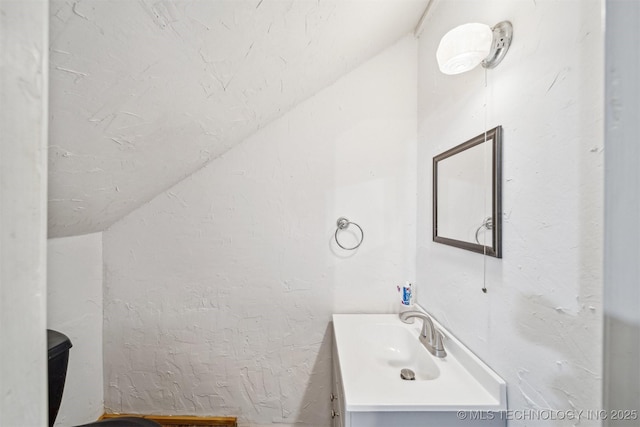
(467,205)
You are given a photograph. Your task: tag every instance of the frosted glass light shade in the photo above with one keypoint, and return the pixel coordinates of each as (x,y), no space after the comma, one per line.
(464,47)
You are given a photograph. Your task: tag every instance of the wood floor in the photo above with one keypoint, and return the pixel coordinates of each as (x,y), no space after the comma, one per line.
(182,421)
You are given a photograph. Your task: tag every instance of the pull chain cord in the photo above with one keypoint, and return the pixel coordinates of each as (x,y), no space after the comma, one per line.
(484,237)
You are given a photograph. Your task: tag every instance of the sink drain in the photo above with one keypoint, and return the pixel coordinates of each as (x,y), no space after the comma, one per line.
(407,374)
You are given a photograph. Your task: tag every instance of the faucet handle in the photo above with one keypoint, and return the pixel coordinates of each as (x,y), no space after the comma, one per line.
(438,345)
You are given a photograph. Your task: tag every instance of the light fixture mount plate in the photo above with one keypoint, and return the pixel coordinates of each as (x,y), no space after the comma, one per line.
(502,36)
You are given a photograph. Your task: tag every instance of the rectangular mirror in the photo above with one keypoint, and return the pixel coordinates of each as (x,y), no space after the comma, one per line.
(467,195)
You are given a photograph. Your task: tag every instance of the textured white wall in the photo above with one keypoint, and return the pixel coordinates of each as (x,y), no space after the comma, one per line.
(23,190)
(622,204)
(74,307)
(219,292)
(539,325)
(131,81)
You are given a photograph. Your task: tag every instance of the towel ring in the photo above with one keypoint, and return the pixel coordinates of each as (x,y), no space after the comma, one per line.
(343,223)
(488,224)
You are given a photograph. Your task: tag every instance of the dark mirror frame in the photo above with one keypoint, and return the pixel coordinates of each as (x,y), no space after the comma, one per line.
(495,250)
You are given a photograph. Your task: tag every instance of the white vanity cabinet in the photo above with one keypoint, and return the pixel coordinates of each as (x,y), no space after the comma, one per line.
(338,418)
(369,352)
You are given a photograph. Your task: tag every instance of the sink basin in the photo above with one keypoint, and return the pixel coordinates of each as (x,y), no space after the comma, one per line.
(371,350)
(393,348)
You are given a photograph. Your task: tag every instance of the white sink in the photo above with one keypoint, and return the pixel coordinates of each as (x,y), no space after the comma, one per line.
(372,349)
(394,347)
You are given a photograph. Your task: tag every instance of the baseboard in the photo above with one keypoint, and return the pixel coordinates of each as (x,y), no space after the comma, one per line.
(182,420)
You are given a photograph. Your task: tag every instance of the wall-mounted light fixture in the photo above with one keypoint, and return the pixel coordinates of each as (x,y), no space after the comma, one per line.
(466,46)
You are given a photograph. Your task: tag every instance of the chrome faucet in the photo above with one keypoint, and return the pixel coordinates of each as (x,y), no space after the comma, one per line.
(430,336)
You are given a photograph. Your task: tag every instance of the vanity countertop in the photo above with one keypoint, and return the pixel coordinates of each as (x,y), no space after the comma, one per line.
(373,348)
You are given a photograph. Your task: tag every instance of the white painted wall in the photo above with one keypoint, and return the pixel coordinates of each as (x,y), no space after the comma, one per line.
(23,212)
(219,292)
(74,304)
(622,204)
(131,81)
(539,325)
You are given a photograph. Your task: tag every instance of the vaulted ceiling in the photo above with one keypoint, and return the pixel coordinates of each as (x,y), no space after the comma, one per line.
(144,93)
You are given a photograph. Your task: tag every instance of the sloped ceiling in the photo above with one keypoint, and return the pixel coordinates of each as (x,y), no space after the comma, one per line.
(144,93)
